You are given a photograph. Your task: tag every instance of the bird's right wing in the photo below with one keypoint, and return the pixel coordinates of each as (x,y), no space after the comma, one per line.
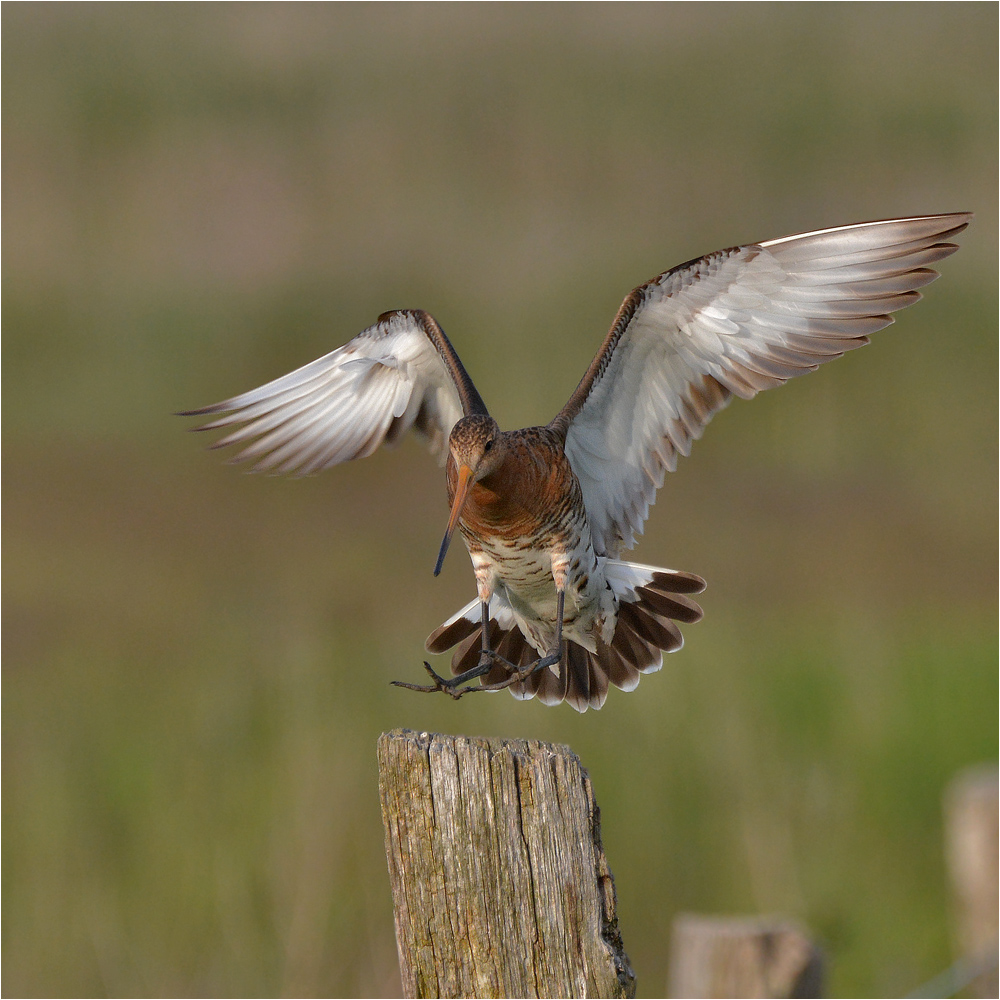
(400,373)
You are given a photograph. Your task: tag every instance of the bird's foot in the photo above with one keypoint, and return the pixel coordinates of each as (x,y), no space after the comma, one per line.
(452,686)
(448,686)
(519,674)
(550,660)
(488,658)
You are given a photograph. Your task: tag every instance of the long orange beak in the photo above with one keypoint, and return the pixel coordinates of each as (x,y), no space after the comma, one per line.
(461,492)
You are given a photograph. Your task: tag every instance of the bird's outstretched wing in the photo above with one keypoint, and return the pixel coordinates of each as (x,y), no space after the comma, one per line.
(732,323)
(400,373)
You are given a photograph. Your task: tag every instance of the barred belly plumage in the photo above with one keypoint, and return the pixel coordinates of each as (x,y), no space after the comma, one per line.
(521,572)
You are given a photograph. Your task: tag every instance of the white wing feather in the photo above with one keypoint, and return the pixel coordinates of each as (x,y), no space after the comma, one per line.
(388,379)
(732,323)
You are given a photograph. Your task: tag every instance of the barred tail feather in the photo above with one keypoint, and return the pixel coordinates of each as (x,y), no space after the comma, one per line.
(651,602)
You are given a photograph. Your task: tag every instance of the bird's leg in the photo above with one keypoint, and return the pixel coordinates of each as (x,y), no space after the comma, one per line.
(453,685)
(486,656)
(549,660)
(560,572)
(489,657)
(555,654)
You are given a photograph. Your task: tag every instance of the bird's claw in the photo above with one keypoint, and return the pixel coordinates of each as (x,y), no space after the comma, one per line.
(449,687)
(453,686)
(546,661)
(518,674)
(489,658)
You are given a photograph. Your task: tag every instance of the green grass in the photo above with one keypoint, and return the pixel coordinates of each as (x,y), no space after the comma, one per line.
(197,662)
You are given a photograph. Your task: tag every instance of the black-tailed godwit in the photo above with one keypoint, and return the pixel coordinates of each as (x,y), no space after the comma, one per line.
(546,512)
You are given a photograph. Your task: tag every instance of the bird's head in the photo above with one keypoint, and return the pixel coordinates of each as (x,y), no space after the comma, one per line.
(476,446)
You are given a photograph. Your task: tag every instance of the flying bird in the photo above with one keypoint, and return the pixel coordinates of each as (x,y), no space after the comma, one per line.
(547,512)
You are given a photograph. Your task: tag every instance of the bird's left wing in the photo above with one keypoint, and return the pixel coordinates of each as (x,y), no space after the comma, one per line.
(400,373)
(732,323)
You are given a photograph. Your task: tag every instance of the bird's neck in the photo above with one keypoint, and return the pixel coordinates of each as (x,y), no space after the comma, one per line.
(518,493)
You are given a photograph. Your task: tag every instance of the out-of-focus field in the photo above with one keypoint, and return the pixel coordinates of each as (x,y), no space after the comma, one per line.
(198,198)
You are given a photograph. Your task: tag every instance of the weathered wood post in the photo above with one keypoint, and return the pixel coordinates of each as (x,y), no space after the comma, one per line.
(970,808)
(742,957)
(499,880)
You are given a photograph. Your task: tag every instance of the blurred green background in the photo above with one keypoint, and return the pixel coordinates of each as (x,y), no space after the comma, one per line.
(199,198)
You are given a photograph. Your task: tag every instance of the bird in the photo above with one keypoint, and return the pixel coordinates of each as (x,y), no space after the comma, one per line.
(547,512)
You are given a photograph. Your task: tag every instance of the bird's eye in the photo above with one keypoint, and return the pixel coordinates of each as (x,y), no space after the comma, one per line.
(489,444)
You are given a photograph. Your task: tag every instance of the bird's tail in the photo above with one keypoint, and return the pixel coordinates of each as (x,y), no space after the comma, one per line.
(650,603)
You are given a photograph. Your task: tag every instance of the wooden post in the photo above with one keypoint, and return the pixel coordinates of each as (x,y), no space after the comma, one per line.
(499,880)
(970,808)
(742,957)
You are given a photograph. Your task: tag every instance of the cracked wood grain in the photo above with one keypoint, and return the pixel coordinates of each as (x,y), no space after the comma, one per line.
(499,880)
